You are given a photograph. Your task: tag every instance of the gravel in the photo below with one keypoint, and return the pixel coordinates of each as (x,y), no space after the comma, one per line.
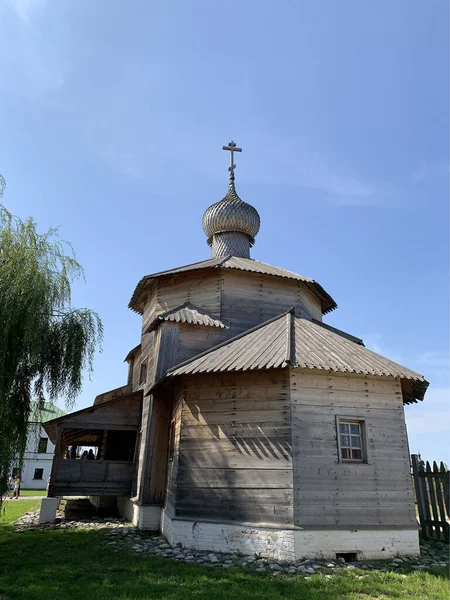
(121,535)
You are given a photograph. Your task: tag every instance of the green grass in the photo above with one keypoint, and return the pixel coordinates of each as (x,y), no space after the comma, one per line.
(33,493)
(51,565)
(11,511)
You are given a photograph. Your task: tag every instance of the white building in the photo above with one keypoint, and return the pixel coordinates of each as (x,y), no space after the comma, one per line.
(39,450)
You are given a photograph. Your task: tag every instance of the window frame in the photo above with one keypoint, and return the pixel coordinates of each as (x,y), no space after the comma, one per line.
(38,478)
(362,428)
(144,363)
(41,440)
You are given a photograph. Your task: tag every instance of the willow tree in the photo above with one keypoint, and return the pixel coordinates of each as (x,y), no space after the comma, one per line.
(45,344)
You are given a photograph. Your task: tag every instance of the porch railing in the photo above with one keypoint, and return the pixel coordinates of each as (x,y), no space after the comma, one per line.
(91,477)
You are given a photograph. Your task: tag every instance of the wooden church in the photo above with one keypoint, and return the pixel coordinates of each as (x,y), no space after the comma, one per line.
(247,423)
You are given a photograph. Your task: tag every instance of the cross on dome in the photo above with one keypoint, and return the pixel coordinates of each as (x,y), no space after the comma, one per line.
(232,149)
(231,224)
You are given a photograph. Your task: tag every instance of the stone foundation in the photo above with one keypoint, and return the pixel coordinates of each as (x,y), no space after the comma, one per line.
(289,544)
(366,544)
(142,516)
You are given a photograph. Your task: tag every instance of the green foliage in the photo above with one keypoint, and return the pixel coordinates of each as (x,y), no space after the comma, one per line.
(45,344)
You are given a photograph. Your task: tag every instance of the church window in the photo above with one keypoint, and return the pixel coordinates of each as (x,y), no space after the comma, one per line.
(351,440)
(42,447)
(143,373)
(38,473)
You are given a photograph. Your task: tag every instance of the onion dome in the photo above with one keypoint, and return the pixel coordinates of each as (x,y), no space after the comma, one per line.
(231,224)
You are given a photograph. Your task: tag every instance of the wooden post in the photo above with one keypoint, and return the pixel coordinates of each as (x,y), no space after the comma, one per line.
(421,501)
(446,487)
(434,508)
(56,458)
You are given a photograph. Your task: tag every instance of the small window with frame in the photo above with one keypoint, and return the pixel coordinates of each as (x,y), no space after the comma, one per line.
(38,474)
(143,373)
(351,440)
(42,446)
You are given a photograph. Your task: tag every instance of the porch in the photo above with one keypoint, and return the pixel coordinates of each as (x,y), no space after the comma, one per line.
(111,431)
(91,478)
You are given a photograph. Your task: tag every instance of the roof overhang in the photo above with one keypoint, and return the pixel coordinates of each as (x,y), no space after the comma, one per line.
(239,264)
(289,341)
(113,414)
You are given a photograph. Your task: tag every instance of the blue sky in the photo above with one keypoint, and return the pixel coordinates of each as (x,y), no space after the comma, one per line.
(112,119)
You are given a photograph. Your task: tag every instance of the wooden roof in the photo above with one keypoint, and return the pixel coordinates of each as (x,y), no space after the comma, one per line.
(288,340)
(187,313)
(241,264)
(122,412)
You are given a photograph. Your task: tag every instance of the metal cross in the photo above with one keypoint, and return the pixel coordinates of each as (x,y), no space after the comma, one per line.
(232,148)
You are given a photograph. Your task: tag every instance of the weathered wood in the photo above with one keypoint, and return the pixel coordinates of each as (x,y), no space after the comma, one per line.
(437,482)
(168,341)
(446,486)
(230,465)
(87,477)
(124,390)
(430,494)
(338,494)
(235,478)
(158,443)
(195,339)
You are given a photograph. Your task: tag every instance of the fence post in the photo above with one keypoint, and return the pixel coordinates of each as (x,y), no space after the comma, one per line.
(446,486)
(419,494)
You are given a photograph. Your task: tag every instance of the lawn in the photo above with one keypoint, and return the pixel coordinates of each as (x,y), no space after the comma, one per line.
(33,493)
(11,511)
(80,564)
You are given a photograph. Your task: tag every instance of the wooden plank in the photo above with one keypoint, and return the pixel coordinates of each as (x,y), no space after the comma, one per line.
(440,501)
(433,503)
(344,382)
(236,416)
(424,494)
(237,514)
(241,517)
(237,406)
(356,484)
(236,430)
(232,460)
(168,341)
(235,478)
(446,487)
(233,497)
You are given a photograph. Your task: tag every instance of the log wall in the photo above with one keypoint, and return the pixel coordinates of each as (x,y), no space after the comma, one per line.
(330,494)
(201,288)
(249,299)
(234,454)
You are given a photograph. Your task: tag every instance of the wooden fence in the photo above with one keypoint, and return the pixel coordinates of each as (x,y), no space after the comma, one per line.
(432,487)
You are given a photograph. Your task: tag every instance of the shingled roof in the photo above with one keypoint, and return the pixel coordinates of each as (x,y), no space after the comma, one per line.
(187,313)
(241,264)
(288,340)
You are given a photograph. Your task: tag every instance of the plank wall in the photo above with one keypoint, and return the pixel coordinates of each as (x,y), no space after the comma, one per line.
(136,370)
(195,339)
(249,299)
(172,468)
(334,495)
(123,412)
(234,462)
(201,288)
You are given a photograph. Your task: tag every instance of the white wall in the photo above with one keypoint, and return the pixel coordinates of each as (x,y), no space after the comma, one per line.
(34,460)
